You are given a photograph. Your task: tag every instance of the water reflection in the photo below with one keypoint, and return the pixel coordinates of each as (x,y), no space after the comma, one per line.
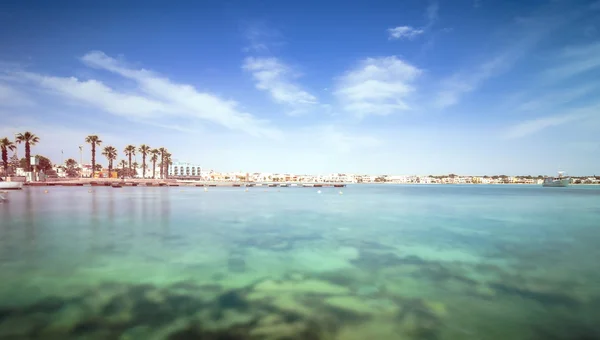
(30,222)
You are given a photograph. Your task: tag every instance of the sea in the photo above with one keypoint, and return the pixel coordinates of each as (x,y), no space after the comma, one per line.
(361,262)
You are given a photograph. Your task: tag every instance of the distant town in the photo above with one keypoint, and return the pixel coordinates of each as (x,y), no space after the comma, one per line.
(157,164)
(189,171)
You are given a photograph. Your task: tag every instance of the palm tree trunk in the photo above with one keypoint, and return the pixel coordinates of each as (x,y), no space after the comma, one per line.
(162,164)
(130,165)
(93,159)
(153,169)
(144,165)
(28,155)
(5,161)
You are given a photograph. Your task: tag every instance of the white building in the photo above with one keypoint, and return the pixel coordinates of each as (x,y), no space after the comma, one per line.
(183,169)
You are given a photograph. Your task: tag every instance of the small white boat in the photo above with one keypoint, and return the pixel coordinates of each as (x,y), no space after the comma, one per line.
(308,185)
(11,185)
(560,181)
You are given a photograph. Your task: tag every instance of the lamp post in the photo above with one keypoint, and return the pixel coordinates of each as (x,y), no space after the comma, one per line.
(81,160)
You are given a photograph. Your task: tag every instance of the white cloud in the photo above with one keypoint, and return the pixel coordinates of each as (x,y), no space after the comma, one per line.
(404,32)
(275,77)
(378,86)
(157,101)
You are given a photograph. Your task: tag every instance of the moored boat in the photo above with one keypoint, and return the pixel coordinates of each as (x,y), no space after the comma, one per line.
(4,185)
(559,181)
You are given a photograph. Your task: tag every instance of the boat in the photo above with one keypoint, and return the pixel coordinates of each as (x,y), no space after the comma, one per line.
(559,181)
(308,185)
(116,185)
(4,185)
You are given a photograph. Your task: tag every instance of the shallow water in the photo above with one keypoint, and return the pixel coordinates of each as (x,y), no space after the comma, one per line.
(379,262)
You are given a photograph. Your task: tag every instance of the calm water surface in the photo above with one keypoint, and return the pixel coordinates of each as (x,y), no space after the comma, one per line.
(376,262)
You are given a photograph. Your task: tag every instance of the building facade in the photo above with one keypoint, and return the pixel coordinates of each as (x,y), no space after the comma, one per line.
(183,169)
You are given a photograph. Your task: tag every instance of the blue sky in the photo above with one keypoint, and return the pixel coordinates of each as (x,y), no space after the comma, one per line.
(398,87)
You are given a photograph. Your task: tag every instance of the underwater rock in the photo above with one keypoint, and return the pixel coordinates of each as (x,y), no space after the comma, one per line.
(21,326)
(236,265)
(310,286)
(66,319)
(278,330)
(544,297)
(360,306)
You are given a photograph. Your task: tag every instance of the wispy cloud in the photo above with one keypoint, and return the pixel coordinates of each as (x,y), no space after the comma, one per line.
(404,32)
(261,38)
(556,98)
(409,32)
(10,96)
(156,100)
(276,78)
(432,14)
(575,61)
(536,28)
(532,126)
(377,86)
(343,141)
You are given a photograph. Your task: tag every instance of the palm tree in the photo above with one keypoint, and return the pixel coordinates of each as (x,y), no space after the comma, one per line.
(6,144)
(162,151)
(123,164)
(144,150)
(129,151)
(93,140)
(135,166)
(154,159)
(110,152)
(30,140)
(167,162)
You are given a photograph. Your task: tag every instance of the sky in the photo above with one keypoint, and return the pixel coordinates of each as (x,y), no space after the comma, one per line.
(369,87)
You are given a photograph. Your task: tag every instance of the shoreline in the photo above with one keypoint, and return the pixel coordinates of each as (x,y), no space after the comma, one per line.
(191,183)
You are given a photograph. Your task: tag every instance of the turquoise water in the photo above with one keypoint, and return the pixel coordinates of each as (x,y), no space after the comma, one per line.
(376,262)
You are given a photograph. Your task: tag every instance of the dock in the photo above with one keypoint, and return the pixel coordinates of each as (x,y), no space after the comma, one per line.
(176,183)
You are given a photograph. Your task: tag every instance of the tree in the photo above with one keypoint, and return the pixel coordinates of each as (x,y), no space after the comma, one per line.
(72,171)
(98,167)
(110,152)
(93,140)
(129,152)
(6,145)
(44,163)
(144,151)
(154,158)
(123,173)
(30,140)
(163,151)
(14,162)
